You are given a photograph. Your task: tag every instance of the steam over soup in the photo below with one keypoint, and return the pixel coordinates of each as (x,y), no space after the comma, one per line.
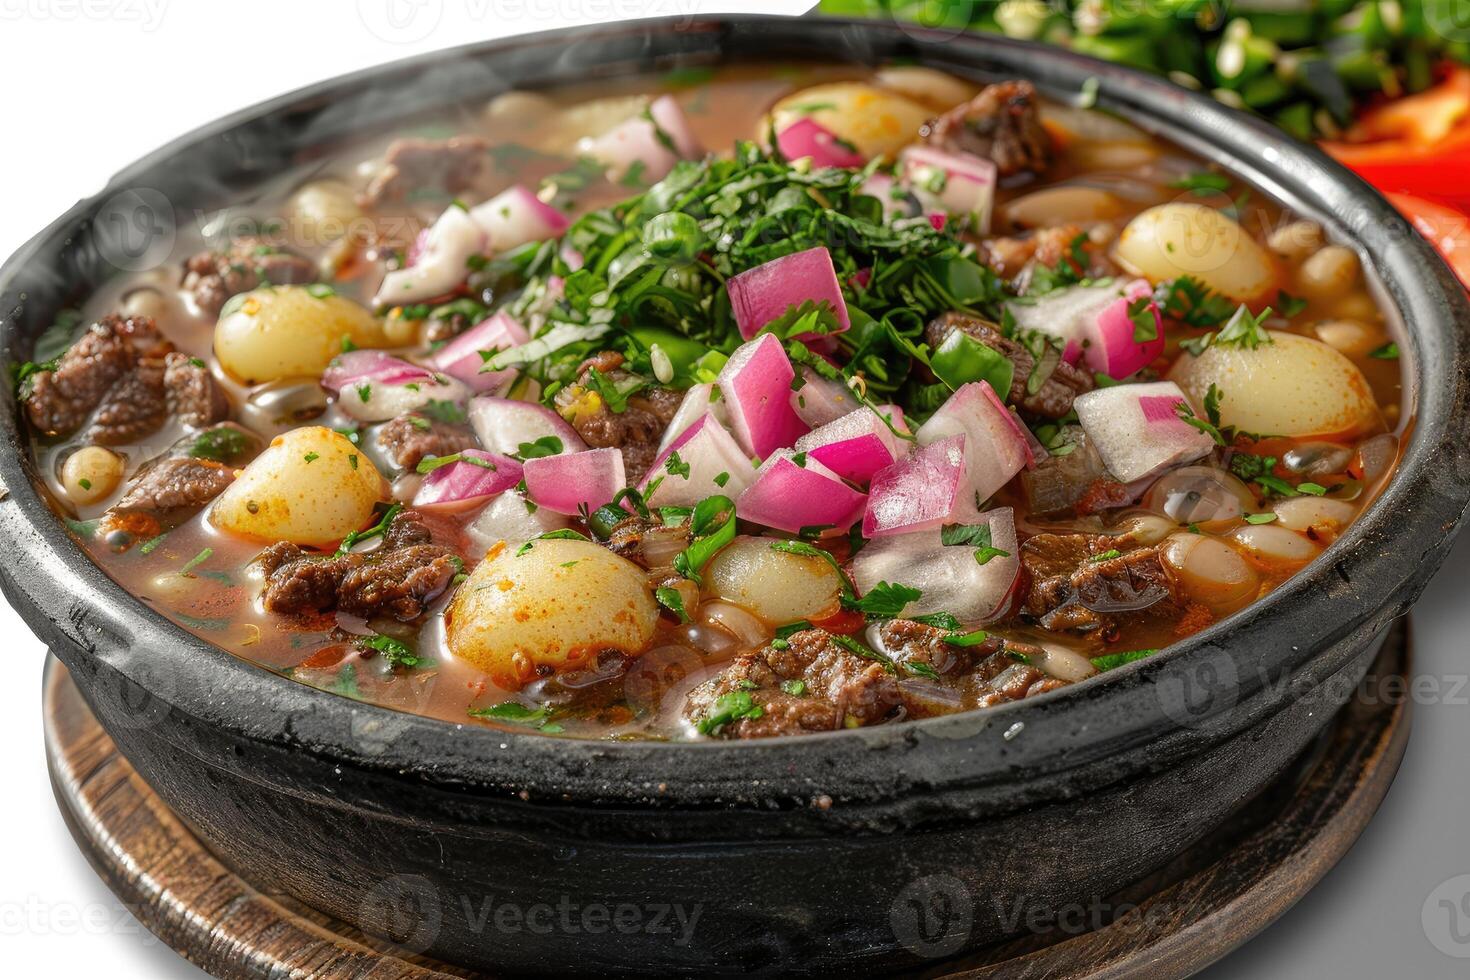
(761,403)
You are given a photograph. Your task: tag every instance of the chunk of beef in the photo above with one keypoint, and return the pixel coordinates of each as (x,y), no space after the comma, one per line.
(249,261)
(193,394)
(991,672)
(400,579)
(97,370)
(1059,482)
(408,439)
(636,430)
(1002,124)
(1015,258)
(450,165)
(165,493)
(132,408)
(825,688)
(1089,581)
(1062,384)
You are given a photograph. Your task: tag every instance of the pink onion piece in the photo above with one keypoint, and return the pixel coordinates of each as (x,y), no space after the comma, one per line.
(1111,348)
(573,481)
(360,367)
(699,400)
(1068,314)
(996,448)
(461,485)
(502,424)
(460,358)
(764,294)
(808,138)
(1137,431)
(717,465)
(950,578)
(638,141)
(517,216)
(756,385)
(788,496)
(855,447)
(441,262)
(821,400)
(918,492)
(959,183)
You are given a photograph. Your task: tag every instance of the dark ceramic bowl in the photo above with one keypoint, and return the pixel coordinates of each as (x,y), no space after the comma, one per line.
(858,850)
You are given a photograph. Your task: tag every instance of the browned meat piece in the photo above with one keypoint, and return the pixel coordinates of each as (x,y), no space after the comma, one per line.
(165,493)
(809,684)
(132,408)
(451,166)
(193,394)
(991,672)
(1058,484)
(59,400)
(410,438)
(636,430)
(1002,123)
(400,579)
(650,543)
(1088,581)
(908,642)
(1051,400)
(250,261)
(1013,256)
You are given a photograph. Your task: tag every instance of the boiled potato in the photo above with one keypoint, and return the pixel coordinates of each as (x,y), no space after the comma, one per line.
(1180,239)
(552,606)
(1294,386)
(872,119)
(777,586)
(290,332)
(322,211)
(311,486)
(936,89)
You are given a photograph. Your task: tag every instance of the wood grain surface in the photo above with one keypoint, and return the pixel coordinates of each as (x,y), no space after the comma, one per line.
(1221,893)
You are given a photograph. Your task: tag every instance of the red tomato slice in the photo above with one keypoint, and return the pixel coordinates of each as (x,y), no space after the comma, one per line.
(1447,229)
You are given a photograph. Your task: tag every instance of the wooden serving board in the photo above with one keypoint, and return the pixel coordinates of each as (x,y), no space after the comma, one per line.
(1179,921)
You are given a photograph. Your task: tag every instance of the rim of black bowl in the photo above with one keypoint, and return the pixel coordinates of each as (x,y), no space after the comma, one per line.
(1119,721)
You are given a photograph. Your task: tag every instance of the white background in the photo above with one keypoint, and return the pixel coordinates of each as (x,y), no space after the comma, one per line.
(90,85)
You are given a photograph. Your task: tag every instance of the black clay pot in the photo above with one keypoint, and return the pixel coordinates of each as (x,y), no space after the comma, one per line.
(860,850)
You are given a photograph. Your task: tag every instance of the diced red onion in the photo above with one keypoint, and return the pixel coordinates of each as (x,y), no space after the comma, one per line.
(995,448)
(764,294)
(808,138)
(821,400)
(739,622)
(508,517)
(1137,431)
(573,481)
(949,578)
(1068,314)
(855,447)
(517,216)
(460,485)
(699,400)
(756,386)
(961,183)
(460,358)
(1110,346)
(788,497)
(919,492)
(717,465)
(441,263)
(637,141)
(372,386)
(502,424)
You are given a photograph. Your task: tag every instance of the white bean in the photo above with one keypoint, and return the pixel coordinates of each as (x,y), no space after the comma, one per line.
(1297,240)
(1211,572)
(1323,516)
(1268,542)
(91,474)
(1350,336)
(1329,273)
